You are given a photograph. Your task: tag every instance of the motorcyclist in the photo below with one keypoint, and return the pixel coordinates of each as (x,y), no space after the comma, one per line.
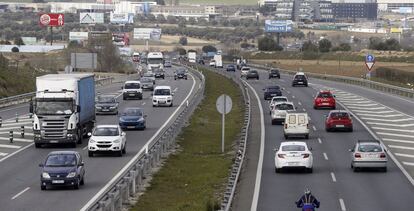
(308,202)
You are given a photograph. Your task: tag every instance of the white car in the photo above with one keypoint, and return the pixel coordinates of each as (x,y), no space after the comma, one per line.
(132,89)
(279,111)
(162,96)
(296,124)
(276,100)
(293,154)
(107,138)
(244,70)
(212,63)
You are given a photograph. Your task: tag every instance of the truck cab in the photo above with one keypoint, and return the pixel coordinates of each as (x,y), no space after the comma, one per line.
(155,60)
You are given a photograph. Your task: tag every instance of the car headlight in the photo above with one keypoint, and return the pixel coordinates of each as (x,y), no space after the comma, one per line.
(45,175)
(98,107)
(69,135)
(91,141)
(117,141)
(112,107)
(71,174)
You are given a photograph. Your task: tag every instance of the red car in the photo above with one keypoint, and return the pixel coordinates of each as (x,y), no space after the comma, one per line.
(324,99)
(338,120)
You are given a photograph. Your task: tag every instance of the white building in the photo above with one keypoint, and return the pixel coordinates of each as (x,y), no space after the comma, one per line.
(395,5)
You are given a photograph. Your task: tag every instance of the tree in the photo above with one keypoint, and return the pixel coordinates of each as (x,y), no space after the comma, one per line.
(342,47)
(161,19)
(171,19)
(15,49)
(180,50)
(209,48)
(267,43)
(183,40)
(308,46)
(324,45)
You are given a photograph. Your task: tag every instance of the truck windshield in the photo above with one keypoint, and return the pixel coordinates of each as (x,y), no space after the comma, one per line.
(54,107)
(155,61)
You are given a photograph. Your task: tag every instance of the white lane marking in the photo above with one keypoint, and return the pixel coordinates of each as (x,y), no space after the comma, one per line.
(320,140)
(282,80)
(400,147)
(85,148)
(371,112)
(17,133)
(11,128)
(325,156)
(17,151)
(314,128)
(404,155)
(391,125)
(369,109)
(408,163)
(9,146)
(293,96)
(361,105)
(309,118)
(342,203)
(299,103)
(391,129)
(355,102)
(9,109)
(20,193)
(3,154)
(393,134)
(14,124)
(333,177)
(388,120)
(143,103)
(144,149)
(17,139)
(261,154)
(398,140)
(175,90)
(304,109)
(378,115)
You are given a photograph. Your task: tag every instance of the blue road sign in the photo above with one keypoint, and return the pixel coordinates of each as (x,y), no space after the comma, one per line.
(369,58)
(278,26)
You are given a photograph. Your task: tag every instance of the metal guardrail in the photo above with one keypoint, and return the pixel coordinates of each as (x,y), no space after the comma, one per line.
(131,181)
(404,92)
(18,99)
(236,168)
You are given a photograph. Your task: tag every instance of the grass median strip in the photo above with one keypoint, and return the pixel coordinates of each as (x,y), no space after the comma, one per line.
(195,176)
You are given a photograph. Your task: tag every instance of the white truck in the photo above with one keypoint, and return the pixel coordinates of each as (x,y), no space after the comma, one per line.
(63,108)
(218,60)
(155,60)
(192,57)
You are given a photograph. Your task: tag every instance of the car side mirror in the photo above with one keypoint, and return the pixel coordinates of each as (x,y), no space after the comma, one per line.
(275,149)
(172,94)
(283,88)
(334,96)
(41,165)
(89,134)
(296,107)
(78,108)
(351,150)
(123,134)
(82,164)
(310,148)
(351,115)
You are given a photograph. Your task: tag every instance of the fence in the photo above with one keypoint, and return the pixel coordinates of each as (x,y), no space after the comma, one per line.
(130,179)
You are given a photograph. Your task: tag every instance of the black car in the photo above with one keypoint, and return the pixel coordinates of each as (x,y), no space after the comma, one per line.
(159,73)
(62,168)
(106,104)
(272,91)
(274,73)
(252,74)
(167,63)
(180,74)
(231,67)
(300,79)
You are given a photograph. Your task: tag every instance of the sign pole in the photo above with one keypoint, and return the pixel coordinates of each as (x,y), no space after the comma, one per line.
(223,121)
(51,36)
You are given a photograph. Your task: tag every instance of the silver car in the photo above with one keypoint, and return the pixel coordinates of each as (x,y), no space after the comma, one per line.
(150,75)
(368,154)
(147,83)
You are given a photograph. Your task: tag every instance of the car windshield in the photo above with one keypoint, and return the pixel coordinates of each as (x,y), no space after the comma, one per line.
(146,79)
(148,74)
(280,99)
(369,148)
(273,89)
(154,60)
(132,86)
(300,77)
(288,148)
(52,107)
(106,131)
(162,92)
(252,72)
(337,115)
(274,71)
(180,71)
(106,99)
(132,112)
(245,69)
(284,106)
(325,95)
(60,160)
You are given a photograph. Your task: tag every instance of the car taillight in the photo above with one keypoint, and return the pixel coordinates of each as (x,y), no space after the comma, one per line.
(357,155)
(281,155)
(383,155)
(306,155)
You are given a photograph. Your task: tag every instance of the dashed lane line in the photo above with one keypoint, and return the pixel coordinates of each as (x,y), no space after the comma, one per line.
(342,204)
(9,146)
(20,193)
(391,129)
(393,134)
(325,156)
(333,177)
(404,155)
(400,147)
(388,120)
(320,140)
(3,154)
(313,127)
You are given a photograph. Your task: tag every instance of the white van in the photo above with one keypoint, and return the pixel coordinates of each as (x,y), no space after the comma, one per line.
(162,96)
(132,89)
(296,124)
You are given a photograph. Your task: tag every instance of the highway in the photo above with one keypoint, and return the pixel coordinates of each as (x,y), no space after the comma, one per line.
(332,181)
(20,174)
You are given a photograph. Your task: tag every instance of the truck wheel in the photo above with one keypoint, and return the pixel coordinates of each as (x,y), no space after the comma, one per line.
(37,145)
(73,145)
(76,185)
(119,153)
(42,187)
(124,98)
(80,137)
(90,154)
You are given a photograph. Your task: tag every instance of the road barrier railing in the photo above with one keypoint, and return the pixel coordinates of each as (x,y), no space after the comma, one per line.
(130,180)
(396,90)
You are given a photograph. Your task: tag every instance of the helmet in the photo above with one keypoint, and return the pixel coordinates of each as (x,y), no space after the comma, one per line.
(307,191)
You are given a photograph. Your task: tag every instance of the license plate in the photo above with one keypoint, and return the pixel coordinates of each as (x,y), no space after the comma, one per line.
(131,94)
(58,181)
(292,163)
(272,94)
(325,103)
(161,102)
(372,156)
(300,82)
(130,127)
(340,125)
(53,142)
(105,109)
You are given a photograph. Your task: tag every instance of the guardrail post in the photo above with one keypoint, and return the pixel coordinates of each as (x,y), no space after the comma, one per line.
(132,185)
(112,202)
(17,117)
(1,121)
(11,136)
(22,131)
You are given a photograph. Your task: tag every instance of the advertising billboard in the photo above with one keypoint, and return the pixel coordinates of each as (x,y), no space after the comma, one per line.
(79,36)
(91,18)
(147,33)
(278,26)
(121,18)
(83,60)
(396,30)
(52,19)
(120,39)
(405,10)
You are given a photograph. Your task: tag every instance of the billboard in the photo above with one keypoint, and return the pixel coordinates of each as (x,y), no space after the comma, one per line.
(79,36)
(278,26)
(52,19)
(83,60)
(120,39)
(396,30)
(147,33)
(91,18)
(122,18)
(405,10)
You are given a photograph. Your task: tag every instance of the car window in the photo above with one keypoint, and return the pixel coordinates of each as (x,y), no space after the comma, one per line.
(293,148)
(337,115)
(275,71)
(180,71)
(59,160)
(148,75)
(132,112)
(162,92)
(284,106)
(369,148)
(292,119)
(300,77)
(132,86)
(325,95)
(301,119)
(145,79)
(281,99)
(273,89)
(106,99)
(106,131)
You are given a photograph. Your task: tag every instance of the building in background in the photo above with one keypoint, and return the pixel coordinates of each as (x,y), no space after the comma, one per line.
(355,9)
(395,5)
(281,9)
(172,2)
(206,12)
